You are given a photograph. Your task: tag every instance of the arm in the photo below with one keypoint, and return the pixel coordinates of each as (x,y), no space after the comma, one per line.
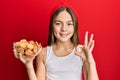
(89,66)
(31,71)
(40,64)
(90,71)
(89,62)
(85,72)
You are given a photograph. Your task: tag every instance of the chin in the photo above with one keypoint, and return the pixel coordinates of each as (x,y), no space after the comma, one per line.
(64,40)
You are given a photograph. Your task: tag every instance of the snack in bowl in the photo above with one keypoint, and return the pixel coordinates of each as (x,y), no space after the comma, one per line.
(27,48)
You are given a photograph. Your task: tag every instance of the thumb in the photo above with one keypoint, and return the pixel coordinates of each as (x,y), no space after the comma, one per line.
(78,53)
(82,55)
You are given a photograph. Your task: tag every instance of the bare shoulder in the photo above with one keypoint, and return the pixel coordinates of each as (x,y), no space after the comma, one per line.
(42,55)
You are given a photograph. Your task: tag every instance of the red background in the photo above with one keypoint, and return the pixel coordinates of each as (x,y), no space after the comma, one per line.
(30,19)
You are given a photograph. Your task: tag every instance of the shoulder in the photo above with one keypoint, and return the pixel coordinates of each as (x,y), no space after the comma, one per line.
(42,55)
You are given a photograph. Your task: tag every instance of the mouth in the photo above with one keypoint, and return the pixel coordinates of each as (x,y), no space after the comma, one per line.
(64,35)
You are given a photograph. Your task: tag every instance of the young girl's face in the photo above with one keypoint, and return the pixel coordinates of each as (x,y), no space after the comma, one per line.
(63,26)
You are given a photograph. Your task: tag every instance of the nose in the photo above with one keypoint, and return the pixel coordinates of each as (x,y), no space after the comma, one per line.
(64,27)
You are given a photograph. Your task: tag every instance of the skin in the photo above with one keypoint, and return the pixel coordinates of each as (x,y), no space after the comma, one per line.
(63,31)
(89,67)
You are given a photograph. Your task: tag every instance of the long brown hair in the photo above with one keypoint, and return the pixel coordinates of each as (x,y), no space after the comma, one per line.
(74,38)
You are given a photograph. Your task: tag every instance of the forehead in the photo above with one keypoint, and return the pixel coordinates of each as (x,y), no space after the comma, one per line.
(64,16)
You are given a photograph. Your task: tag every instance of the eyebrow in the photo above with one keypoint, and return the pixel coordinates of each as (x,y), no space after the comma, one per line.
(61,21)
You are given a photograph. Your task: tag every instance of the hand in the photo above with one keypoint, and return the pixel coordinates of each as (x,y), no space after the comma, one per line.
(85,51)
(24,59)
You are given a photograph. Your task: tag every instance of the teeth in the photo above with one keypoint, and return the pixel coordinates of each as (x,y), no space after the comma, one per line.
(63,35)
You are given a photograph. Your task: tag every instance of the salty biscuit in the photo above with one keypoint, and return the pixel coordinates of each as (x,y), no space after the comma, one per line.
(27,48)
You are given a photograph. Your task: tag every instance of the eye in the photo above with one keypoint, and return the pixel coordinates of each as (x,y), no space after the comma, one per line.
(58,24)
(70,24)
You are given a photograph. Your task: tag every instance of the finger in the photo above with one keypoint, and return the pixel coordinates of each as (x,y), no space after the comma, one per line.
(15,53)
(22,58)
(90,41)
(86,39)
(92,45)
(79,48)
(28,59)
(38,51)
(81,54)
(78,53)
(14,45)
(79,45)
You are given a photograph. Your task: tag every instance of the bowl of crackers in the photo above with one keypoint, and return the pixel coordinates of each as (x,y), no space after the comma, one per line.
(27,48)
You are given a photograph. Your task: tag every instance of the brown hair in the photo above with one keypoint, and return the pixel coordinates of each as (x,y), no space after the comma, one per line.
(74,38)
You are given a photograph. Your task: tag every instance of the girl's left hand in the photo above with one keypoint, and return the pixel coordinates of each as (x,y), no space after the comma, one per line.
(85,51)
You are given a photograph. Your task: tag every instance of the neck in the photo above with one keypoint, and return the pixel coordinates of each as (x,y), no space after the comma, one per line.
(64,45)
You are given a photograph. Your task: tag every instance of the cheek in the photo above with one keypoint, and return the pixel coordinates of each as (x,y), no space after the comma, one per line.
(56,30)
(72,29)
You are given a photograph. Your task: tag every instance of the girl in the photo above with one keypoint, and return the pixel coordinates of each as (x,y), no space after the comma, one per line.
(64,58)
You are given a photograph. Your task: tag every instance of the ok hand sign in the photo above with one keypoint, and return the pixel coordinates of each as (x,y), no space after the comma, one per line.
(85,50)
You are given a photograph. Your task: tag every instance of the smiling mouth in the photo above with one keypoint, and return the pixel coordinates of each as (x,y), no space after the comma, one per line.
(63,35)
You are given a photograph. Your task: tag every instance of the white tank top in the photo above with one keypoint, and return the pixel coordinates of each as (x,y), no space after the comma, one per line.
(63,68)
